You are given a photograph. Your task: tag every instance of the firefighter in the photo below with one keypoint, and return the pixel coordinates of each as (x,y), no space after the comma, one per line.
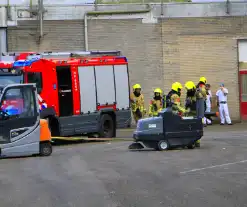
(167,98)
(191,102)
(201,97)
(156,104)
(137,102)
(175,102)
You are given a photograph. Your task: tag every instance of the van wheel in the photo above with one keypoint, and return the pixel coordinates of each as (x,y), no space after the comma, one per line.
(163,145)
(107,127)
(45,149)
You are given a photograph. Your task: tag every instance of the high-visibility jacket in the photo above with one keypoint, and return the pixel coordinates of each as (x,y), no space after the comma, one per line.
(155,106)
(137,102)
(167,99)
(190,104)
(176,104)
(201,91)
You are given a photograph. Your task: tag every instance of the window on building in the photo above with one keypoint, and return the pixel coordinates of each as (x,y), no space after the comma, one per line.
(35,77)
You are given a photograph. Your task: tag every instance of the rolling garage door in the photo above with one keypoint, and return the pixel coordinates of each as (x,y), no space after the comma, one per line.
(3,41)
(242,54)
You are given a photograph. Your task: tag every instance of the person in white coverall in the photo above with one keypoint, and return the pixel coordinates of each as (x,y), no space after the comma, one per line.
(221,95)
(209,98)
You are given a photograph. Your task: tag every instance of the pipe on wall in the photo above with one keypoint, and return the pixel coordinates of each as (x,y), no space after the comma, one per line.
(41,18)
(98,13)
(227,6)
(8,10)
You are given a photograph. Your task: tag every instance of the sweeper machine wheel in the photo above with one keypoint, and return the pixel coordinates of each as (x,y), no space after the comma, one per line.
(163,145)
(192,146)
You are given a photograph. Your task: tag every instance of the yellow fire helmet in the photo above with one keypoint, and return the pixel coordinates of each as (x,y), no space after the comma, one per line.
(189,85)
(176,86)
(158,90)
(203,80)
(136,86)
(179,85)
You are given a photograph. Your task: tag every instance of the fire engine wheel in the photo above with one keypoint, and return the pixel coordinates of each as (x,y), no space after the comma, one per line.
(106,126)
(45,149)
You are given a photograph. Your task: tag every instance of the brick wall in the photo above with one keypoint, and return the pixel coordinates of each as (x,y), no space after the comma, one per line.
(58,36)
(139,42)
(191,47)
(195,47)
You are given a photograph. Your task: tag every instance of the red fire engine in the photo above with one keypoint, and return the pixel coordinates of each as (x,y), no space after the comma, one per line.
(79,92)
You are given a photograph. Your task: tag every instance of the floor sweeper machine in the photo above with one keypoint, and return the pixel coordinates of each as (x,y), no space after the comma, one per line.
(22,132)
(167,131)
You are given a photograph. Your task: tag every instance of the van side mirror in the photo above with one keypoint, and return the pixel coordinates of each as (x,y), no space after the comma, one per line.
(4,115)
(1,116)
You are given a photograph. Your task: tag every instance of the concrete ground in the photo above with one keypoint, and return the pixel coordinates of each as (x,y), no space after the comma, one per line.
(109,175)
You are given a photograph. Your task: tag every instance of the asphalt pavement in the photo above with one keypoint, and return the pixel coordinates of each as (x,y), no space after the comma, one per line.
(107,174)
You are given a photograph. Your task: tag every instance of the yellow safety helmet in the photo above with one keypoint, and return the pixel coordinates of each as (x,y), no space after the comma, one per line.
(179,85)
(189,85)
(203,79)
(158,90)
(176,86)
(136,86)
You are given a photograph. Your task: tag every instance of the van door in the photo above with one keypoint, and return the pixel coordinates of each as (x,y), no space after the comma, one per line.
(64,90)
(19,121)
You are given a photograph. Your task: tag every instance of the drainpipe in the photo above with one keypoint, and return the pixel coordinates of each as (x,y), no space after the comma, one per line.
(31,4)
(8,10)
(85,32)
(98,13)
(41,17)
(31,8)
(227,6)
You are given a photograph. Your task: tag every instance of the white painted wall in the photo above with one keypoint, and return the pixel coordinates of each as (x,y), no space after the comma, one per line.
(206,1)
(242,51)
(75,9)
(46,2)
(77,2)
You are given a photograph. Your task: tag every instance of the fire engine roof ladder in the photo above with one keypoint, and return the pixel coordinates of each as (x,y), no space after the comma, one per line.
(8,56)
(68,54)
(75,54)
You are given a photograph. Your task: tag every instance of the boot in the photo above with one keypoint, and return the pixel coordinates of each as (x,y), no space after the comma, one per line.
(198,144)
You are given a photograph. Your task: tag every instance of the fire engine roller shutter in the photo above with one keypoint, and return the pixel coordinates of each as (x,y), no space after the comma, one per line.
(87,89)
(122,86)
(105,84)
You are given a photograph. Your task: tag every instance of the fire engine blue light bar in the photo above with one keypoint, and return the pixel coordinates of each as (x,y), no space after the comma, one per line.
(22,63)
